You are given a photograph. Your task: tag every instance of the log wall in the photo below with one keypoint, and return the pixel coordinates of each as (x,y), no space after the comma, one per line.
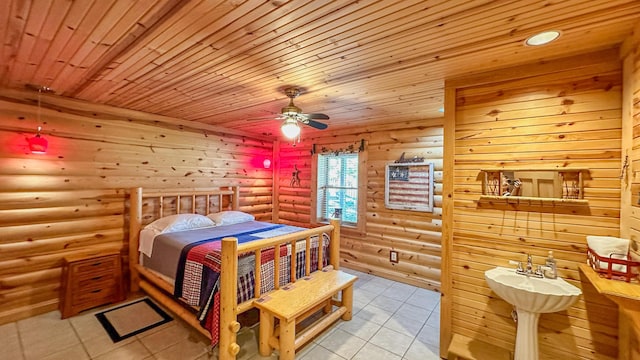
(73,198)
(550,115)
(415,235)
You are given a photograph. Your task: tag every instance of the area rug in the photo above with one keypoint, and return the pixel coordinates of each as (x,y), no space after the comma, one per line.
(130,319)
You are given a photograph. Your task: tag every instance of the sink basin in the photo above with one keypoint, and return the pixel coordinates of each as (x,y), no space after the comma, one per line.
(530,296)
(530,293)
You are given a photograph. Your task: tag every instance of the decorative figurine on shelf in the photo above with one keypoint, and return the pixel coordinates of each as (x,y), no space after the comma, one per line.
(510,187)
(295,177)
(415,159)
(493,184)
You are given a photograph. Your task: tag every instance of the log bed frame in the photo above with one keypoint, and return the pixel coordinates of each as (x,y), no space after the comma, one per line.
(162,291)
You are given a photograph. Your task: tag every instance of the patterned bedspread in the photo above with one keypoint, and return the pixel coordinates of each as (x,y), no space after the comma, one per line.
(198,273)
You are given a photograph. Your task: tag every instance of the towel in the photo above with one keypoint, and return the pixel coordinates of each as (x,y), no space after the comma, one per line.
(635,256)
(610,247)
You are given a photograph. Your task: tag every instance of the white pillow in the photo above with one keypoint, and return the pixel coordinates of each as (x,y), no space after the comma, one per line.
(180,222)
(230,217)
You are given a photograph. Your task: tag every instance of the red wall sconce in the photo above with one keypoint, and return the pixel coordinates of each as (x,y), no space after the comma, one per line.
(38,144)
(266,163)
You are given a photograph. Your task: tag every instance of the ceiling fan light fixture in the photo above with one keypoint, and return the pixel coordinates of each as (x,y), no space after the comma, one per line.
(290,128)
(542,38)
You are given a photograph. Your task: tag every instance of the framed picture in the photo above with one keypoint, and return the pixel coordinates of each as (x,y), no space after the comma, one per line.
(409,186)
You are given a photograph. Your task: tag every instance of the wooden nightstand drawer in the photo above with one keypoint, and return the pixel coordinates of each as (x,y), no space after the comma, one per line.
(95,267)
(98,281)
(96,295)
(90,281)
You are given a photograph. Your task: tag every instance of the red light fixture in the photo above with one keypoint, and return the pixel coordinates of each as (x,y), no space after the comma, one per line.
(266,163)
(38,144)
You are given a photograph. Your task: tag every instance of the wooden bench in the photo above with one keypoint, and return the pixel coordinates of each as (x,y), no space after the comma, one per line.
(462,347)
(296,302)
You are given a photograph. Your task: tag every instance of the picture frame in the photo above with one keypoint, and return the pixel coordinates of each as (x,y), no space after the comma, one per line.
(409,186)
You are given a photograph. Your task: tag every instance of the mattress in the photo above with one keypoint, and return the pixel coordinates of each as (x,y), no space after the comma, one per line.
(167,248)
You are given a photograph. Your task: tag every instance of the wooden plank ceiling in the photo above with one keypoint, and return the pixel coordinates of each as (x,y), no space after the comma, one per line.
(227,62)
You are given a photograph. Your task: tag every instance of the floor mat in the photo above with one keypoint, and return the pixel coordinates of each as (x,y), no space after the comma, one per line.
(127,320)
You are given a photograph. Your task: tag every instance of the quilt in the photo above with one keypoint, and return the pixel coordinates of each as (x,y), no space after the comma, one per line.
(198,273)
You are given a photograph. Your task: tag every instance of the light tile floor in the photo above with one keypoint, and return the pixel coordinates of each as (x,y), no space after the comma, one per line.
(392,321)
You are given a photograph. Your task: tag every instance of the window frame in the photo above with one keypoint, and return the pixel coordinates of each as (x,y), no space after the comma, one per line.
(316,218)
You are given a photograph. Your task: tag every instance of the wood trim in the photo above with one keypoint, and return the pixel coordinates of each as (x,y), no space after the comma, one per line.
(275,206)
(446,303)
(627,158)
(313,207)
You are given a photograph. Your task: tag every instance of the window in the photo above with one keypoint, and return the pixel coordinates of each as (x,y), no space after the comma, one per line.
(337,187)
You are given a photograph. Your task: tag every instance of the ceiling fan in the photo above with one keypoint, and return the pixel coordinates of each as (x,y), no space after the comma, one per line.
(293,115)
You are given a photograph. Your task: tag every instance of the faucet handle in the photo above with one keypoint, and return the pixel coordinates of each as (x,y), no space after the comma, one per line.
(550,272)
(517,263)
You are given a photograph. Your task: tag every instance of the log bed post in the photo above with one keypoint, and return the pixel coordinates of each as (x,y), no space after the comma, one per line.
(135,222)
(235,204)
(334,244)
(229,325)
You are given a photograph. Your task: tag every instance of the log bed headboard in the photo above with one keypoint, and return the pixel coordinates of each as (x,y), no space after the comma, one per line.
(201,202)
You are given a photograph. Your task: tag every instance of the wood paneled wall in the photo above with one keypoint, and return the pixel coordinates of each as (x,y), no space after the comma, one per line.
(630,210)
(415,235)
(73,198)
(548,115)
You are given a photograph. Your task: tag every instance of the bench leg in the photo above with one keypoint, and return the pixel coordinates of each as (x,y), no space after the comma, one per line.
(328,307)
(266,331)
(347,301)
(287,340)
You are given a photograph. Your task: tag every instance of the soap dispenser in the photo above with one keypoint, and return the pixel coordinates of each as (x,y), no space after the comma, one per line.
(551,271)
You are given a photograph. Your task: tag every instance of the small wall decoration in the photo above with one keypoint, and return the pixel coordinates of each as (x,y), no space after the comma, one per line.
(295,177)
(409,186)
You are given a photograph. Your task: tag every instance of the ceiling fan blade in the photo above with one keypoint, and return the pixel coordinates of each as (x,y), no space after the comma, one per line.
(317,116)
(315,124)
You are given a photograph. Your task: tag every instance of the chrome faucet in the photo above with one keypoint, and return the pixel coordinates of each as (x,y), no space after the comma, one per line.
(529,264)
(528,269)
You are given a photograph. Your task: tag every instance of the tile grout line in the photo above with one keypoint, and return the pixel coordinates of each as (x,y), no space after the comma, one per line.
(84,347)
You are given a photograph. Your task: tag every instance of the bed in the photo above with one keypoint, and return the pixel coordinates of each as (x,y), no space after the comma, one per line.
(300,252)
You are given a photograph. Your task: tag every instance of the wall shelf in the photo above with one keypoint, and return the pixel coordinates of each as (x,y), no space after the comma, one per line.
(535,186)
(626,295)
(527,200)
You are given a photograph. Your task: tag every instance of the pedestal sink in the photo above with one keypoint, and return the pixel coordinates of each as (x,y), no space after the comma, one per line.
(530,296)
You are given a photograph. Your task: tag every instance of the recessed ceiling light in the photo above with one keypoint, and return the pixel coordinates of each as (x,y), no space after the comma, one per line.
(542,38)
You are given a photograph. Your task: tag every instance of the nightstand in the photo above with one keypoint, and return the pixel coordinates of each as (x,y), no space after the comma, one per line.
(89,281)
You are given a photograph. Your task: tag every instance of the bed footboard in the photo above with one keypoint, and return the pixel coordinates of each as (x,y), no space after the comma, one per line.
(229,325)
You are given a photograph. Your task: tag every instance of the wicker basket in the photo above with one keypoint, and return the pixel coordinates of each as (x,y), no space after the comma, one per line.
(604,266)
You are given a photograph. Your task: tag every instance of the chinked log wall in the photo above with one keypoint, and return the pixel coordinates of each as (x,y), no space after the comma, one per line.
(415,235)
(563,113)
(72,199)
